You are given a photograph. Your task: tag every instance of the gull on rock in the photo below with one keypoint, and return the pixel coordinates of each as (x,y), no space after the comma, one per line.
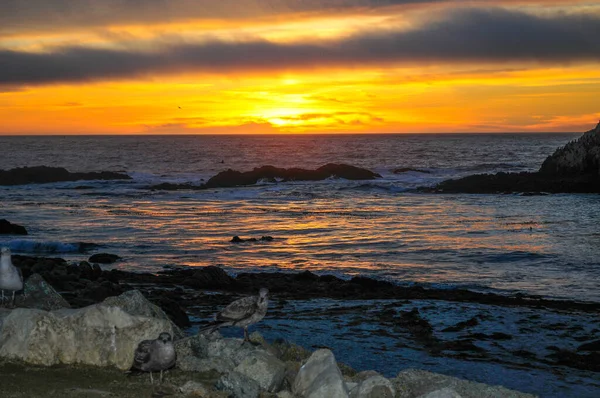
(11,278)
(241,313)
(155,355)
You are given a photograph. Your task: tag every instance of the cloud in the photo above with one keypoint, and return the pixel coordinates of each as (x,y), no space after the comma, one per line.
(27,15)
(466,35)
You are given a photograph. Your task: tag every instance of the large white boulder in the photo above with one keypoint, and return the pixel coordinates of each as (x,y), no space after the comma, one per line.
(320,377)
(99,335)
(264,368)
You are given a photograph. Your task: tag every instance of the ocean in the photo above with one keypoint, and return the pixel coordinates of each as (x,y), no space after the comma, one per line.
(546,245)
(538,245)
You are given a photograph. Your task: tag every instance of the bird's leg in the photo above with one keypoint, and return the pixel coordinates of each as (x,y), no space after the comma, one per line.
(151,379)
(13,300)
(2,302)
(161,376)
(246,337)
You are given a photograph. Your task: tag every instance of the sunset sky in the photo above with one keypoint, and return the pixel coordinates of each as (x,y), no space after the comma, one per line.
(298,66)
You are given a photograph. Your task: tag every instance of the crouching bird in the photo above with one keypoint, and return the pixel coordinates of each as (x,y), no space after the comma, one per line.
(241,313)
(154,356)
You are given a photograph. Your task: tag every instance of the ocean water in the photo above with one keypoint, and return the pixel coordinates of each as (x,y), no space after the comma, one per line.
(539,245)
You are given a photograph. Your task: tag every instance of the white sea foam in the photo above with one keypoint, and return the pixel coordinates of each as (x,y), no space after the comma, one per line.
(31,246)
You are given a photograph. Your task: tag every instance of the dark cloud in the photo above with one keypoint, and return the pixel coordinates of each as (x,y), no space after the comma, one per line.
(471,35)
(28,15)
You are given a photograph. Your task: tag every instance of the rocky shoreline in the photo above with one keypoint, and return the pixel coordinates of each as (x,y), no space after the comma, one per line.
(105,335)
(187,296)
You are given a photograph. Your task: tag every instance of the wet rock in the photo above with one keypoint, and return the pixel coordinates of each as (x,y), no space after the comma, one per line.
(419,383)
(212,277)
(320,377)
(238,385)
(590,346)
(173,310)
(462,325)
(401,170)
(44,174)
(233,178)
(97,335)
(8,228)
(265,369)
(572,359)
(103,258)
(374,387)
(37,293)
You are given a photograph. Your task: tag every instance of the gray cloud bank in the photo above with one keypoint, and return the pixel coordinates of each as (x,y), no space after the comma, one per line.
(33,15)
(468,35)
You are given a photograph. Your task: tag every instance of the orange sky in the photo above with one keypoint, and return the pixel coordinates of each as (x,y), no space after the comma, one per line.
(299,66)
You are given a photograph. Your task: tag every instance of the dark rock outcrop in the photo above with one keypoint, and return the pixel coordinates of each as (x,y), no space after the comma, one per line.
(574,168)
(237,239)
(104,258)
(578,157)
(8,228)
(44,174)
(233,178)
(401,170)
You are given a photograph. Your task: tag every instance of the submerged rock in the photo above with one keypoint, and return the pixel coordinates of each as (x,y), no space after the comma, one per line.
(44,174)
(8,228)
(103,258)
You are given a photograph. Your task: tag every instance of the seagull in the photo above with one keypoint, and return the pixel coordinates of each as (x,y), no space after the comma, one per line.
(10,276)
(242,313)
(155,355)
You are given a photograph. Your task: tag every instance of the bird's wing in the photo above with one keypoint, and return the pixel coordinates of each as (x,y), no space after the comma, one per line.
(237,310)
(142,353)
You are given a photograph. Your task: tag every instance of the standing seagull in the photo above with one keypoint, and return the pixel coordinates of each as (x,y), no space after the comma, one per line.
(10,276)
(242,313)
(155,355)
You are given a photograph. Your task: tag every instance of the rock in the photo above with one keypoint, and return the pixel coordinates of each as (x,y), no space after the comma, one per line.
(97,335)
(194,346)
(419,383)
(401,170)
(44,174)
(194,364)
(320,377)
(103,258)
(578,157)
(232,349)
(37,293)
(265,369)
(195,389)
(8,228)
(442,393)
(238,385)
(212,277)
(233,178)
(285,394)
(134,303)
(374,387)
(574,168)
(173,310)
(590,346)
